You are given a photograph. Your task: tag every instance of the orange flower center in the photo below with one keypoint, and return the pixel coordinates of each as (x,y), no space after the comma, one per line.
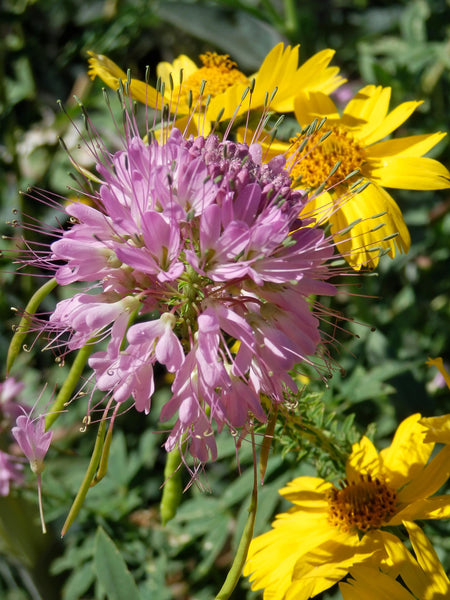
(219,73)
(318,157)
(365,504)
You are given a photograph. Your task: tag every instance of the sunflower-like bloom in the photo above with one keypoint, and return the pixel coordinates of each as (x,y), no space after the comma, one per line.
(354,143)
(185,86)
(331,529)
(282,79)
(423,574)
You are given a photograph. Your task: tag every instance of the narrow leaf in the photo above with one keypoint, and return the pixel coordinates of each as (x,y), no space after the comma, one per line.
(112,571)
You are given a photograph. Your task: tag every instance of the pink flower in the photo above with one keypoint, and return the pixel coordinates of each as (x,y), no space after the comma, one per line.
(194,259)
(34,443)
(33,440)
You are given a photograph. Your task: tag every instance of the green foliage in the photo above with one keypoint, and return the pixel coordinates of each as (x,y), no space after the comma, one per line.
(117,547)
(111,570)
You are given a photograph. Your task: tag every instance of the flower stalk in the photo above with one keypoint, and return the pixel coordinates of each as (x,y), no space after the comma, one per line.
(88,478)
(69,384)
(235,572)
(22,329)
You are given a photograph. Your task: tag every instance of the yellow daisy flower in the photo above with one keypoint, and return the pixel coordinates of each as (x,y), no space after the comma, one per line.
(330,529)
(219,78)
(356,142)
(181,81)
(280,74)
(423,574)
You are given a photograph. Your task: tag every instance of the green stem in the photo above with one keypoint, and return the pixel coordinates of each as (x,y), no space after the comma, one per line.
(266,443)
(291,20)
(16,344)
(103,466)
(69,384)
(234,573)
(86,483)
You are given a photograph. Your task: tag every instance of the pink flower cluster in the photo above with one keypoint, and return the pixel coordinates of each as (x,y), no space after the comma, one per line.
(196,260)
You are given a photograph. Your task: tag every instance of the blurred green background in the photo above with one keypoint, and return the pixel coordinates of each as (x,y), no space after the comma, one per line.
(43,46)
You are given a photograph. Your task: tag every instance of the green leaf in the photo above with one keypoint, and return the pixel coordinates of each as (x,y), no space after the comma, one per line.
(111,570)
(212,545)
(78,582)
(246,39)
(122,466)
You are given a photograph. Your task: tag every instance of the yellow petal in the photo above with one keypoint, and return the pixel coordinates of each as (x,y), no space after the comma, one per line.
(111,74)
(320,208)
(410,173)
(278,56)
(367,110)
(270,149)
(281,79)
(270,71)
(315,74)
(401,562)
(351,241)
(423,575)
(382,228)
(301,590)
(413,145)
(363,460)
(312,105)
(392,121)
(428,480)
(437,580)
(277,72)
(148,95)
(371,584)
(437,507)
(330,562)
(106,69)
(182,63)
(407,454)
(231,102)
(308,493)
(437,429)
(272,555)
(353,591)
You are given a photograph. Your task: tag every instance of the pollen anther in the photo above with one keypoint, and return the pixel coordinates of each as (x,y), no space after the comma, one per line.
(364,504)
(332,156)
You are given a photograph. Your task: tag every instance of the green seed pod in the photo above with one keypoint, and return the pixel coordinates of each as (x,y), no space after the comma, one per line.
(173,488)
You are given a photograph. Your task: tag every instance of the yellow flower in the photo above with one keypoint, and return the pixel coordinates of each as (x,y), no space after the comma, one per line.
(224,83)
(330,529)
(181,81)
(423,575)
(356,142)
(280,73)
